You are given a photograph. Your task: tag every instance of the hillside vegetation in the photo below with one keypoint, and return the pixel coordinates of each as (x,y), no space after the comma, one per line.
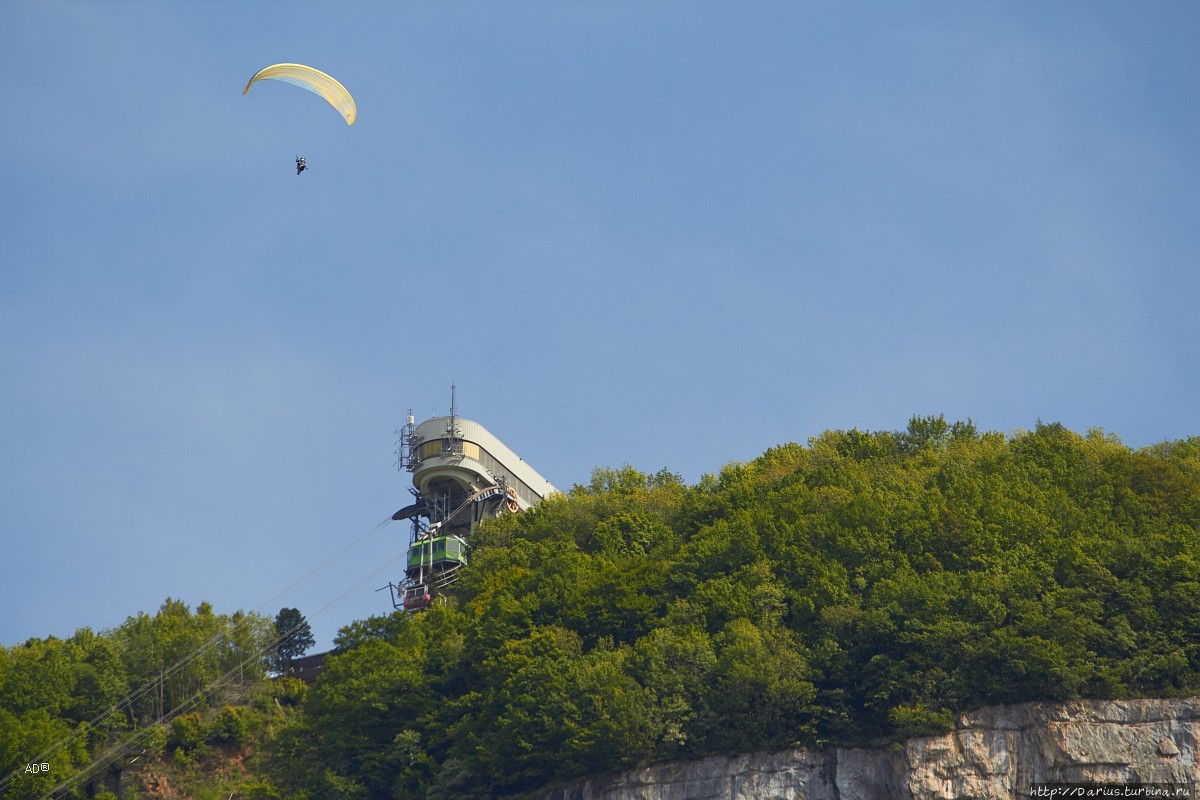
(861,589)
(64,702)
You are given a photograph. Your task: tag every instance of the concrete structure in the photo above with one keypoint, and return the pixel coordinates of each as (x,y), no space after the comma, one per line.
(452,458)
(462,475)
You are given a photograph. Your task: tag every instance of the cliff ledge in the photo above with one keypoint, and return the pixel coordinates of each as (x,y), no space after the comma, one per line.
(994,753)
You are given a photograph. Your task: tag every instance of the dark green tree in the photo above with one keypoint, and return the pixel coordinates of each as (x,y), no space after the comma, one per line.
(293,637)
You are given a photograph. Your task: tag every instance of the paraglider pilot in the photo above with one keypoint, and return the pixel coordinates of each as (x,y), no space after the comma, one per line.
(300,165)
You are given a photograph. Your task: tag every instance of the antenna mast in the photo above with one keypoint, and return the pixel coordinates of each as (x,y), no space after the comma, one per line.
(452,429)
(406,440)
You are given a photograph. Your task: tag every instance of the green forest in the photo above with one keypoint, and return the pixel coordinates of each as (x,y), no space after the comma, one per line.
(862,589)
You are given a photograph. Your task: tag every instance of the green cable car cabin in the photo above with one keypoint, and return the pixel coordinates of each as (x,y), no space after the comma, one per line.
(432,563)
(437,554)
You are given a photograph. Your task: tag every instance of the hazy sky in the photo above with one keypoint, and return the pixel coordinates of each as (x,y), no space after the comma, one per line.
(668,234)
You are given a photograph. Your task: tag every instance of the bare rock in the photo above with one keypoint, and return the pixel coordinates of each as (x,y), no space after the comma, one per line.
(993,754)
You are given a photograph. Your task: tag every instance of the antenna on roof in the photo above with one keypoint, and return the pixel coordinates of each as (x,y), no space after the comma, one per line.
(452,428)
(406,443)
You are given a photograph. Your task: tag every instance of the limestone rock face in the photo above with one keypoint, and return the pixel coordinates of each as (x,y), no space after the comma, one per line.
(992,754)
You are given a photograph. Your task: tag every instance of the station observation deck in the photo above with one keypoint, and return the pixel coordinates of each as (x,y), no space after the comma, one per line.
(450,453)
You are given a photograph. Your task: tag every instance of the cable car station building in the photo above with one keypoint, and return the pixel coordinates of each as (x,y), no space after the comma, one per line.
(462,475)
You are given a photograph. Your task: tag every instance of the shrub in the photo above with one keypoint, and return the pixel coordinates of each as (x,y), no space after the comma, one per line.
(231,725)
(187,732)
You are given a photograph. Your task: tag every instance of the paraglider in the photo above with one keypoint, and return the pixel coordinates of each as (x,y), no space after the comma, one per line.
(312,80)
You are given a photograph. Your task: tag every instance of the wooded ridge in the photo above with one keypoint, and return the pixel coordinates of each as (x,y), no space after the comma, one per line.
(865,588)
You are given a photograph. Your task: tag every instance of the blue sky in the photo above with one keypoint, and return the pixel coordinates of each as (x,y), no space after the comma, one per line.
(668,234)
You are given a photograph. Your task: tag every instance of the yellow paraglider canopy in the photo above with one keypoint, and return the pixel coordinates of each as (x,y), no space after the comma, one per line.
(314,81)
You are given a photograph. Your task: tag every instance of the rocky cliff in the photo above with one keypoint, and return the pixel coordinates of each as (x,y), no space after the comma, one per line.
(993,753)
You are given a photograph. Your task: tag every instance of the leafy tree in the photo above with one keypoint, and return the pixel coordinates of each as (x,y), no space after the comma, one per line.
(293,637)
(865,586)
(360,632)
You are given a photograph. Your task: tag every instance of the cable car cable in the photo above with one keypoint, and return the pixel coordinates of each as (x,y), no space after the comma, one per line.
(129,699)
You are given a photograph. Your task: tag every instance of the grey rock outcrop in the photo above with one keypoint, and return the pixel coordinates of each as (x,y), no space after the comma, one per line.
(994,753)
